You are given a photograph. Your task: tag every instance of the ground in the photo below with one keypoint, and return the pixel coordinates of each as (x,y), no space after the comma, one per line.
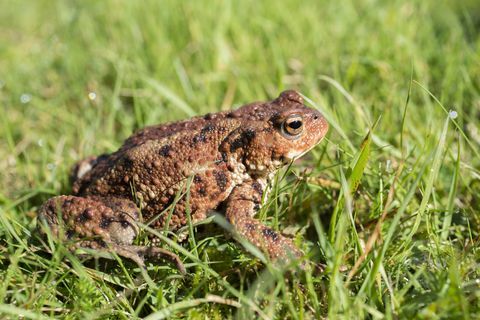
(388,202)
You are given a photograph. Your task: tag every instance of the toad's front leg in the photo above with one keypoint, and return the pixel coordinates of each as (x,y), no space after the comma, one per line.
(241,206)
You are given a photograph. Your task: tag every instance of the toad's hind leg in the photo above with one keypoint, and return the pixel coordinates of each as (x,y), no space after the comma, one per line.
(103,224)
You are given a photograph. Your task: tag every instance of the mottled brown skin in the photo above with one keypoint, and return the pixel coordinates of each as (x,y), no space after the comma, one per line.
(229,157)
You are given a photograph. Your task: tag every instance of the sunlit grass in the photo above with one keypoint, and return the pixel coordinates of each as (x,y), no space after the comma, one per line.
(398,81)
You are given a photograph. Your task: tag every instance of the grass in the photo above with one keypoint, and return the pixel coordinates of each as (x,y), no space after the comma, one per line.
(76,78)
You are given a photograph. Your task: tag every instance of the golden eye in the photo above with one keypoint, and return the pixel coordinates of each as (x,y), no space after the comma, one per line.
(293,125)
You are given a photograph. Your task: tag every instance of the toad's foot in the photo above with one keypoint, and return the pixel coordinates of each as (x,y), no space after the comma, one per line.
(103,224)
(150,253)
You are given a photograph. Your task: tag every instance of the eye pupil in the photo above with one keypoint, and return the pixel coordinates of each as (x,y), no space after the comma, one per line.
(295,124)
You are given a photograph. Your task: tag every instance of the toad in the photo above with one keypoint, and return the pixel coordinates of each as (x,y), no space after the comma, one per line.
(227,158)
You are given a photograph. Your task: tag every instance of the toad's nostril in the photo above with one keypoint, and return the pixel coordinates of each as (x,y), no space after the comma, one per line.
(315,117)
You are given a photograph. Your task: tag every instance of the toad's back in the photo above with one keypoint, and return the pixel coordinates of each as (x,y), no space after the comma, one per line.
(155,163)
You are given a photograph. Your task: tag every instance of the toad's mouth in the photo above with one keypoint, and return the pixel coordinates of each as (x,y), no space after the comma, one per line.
(261,169)
(295,154)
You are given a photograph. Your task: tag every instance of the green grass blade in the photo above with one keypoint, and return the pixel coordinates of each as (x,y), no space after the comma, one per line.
(436,164)
(370,279)
(447,221)
(168,94)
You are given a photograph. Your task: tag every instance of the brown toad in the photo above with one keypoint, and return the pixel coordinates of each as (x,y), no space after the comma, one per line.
(229,158)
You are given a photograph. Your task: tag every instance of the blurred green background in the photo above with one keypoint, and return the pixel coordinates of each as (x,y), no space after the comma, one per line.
(77,77)
(143,60)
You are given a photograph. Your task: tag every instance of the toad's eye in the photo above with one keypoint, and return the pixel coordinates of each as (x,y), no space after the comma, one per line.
(293,125)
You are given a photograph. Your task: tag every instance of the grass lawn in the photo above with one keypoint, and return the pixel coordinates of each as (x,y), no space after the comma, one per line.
(389,201)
